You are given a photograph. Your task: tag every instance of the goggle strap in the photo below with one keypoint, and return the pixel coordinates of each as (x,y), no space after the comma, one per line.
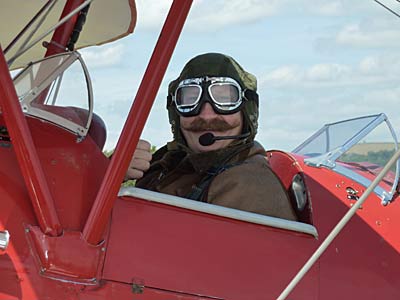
(251,95)
(169,101)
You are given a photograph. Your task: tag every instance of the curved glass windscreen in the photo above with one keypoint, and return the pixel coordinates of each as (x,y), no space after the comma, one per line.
(57,89)
(333,136)
(357,148)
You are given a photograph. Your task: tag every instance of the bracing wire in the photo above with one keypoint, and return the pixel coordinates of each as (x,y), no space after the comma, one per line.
(392,11)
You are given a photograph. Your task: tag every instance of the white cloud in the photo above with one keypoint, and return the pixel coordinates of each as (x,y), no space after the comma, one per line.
(326,72)
(386,65)
(369,65)
(335,8)
(369,70)
(366,26)
(206,15)
(103,57)
(327,8)
(356,35)
(212,15)
(281,76)
(390,97)
(151,13)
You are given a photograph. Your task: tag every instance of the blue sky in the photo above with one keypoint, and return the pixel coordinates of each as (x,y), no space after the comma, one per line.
(316,62)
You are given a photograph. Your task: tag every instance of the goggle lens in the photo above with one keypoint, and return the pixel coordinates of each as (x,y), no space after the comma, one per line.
(225,95)
(187,95)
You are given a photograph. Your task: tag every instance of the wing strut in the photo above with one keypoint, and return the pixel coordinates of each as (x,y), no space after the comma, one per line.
(27,156)
(101,210)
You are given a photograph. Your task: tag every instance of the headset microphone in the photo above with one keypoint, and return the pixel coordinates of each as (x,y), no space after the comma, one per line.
(208,138)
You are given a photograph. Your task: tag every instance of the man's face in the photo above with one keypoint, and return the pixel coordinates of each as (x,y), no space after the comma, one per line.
(209,121)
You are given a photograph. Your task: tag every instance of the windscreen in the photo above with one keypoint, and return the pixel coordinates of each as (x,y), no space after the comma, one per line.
(44,90)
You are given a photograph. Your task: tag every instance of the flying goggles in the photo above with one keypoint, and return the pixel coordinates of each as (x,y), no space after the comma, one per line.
(223,93)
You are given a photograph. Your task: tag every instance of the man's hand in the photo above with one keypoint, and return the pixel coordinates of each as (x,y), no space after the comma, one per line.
(140,162)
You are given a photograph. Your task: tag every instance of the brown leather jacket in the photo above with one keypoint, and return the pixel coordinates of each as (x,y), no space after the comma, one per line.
(237,177)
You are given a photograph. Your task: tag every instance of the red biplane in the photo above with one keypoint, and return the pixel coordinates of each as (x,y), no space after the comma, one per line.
(67,230)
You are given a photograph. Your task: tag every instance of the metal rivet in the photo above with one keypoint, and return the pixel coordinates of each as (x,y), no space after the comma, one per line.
(137,288)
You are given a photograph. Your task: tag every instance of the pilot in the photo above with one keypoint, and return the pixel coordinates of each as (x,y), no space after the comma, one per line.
(213,158)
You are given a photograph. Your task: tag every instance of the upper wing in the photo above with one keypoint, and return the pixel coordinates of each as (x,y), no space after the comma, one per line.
(106,21)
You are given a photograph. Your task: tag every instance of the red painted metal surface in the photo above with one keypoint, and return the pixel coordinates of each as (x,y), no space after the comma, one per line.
(362,262)
(51,267)
(181,250)
(54,255)
(137,117)
(74,171)
(26,154)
